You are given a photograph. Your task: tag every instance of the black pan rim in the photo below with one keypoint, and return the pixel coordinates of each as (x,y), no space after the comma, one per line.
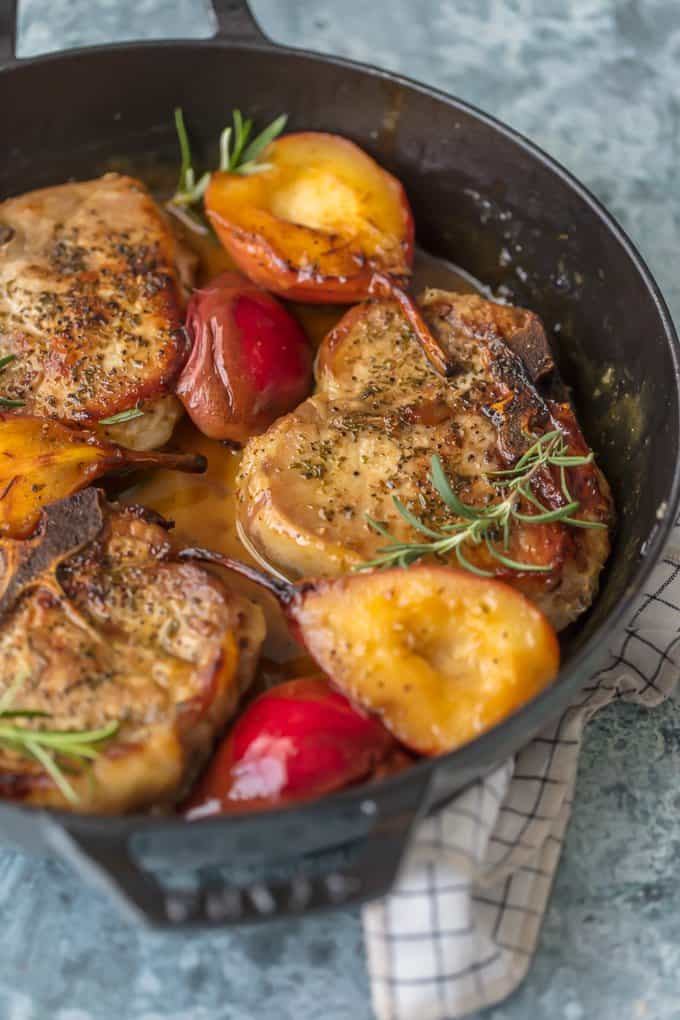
(571,677)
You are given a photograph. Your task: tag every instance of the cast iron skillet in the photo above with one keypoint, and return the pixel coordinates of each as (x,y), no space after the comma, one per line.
(496,205)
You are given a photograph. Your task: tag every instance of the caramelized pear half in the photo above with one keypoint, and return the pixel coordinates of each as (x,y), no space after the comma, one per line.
(43,461)
(317,222)
(439,654)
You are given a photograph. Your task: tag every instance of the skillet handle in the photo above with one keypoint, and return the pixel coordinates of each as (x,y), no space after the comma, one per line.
(340,876)
(8,31)
(236,22)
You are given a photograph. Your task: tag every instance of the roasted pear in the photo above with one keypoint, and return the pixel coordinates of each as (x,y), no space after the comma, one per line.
(316,222)
(439,654)
(43,461)
(250,360)
(297,741)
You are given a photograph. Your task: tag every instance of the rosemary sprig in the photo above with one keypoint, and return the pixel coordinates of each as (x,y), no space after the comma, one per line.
(488,524)
(241,157)
(118,419)
(5,401)
(189,190)
(45,745)
(238,154)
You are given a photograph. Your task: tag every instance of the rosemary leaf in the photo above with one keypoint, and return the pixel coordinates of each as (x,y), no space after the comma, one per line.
(51,767)
(466,565)
(23,713)
(63,739)
(238,154)
(241,134)
(580,523)
(45,745)
(515,564)
(260,143)
(548,516)
(253,168)
(414,521)
(526,493)
(118,419)
(448,496)
(185,151)
(378,526)
(191,218)
(225,150)
(489,524)
(571,461)
(6,360)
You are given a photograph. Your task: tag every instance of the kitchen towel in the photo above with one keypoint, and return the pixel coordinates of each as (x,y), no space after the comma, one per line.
(461,926)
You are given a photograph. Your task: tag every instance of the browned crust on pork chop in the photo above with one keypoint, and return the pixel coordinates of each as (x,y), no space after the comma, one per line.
(113,629)
(380,412)
(90,302)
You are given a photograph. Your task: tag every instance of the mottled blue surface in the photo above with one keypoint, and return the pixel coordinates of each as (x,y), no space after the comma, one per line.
(597,83)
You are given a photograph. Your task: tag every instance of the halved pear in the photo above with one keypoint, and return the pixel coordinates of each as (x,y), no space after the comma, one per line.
(42,460)
(440,654)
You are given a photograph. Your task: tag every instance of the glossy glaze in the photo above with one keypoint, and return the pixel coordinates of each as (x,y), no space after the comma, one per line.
(203,506)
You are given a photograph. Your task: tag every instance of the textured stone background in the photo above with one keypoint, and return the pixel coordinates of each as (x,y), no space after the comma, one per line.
(597,83)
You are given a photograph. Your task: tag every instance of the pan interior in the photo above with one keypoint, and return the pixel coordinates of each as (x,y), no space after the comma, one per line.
(480,199)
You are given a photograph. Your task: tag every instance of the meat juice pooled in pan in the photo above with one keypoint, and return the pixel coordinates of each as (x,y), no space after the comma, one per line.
(203,510)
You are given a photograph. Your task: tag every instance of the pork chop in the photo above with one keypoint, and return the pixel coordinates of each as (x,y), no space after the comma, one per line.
(91,306)
(99,625)
(379,413)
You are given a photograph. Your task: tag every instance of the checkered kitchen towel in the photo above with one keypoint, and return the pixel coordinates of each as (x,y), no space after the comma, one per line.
(459,931)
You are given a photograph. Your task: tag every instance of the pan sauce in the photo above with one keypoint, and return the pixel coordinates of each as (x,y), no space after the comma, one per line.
(203,507)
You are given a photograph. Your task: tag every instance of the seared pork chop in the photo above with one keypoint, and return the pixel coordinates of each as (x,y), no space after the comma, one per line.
(91,306)
(379,413)
(99,624)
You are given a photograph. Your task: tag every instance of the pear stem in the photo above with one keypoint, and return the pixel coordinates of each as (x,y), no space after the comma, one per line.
(384,287)
(194,463)
(283,591)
